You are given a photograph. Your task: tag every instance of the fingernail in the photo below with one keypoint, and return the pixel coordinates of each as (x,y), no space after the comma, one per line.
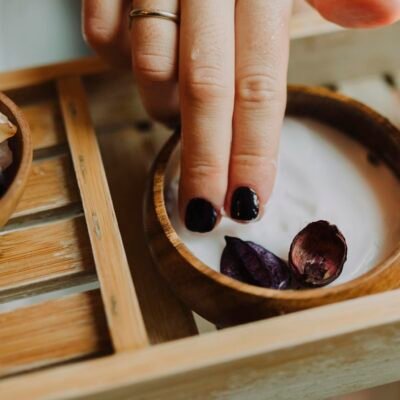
(200,216)
(245,205)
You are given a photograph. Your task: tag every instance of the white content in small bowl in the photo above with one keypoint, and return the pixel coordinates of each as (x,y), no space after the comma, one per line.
(322,174)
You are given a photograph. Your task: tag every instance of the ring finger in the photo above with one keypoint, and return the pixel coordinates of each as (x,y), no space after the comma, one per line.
(155,59)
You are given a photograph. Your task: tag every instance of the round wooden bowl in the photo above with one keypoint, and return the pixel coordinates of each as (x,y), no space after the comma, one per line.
(21,146)
(225,301)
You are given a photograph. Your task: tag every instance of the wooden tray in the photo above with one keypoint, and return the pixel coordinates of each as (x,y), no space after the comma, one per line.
(72,326)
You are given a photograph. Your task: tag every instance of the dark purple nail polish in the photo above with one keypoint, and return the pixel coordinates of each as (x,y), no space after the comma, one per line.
(245,205)
(200,216)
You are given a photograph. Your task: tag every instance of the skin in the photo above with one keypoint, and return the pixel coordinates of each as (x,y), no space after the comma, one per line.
(222,71)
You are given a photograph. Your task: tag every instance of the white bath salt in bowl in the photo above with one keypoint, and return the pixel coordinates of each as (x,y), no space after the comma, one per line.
(322,175)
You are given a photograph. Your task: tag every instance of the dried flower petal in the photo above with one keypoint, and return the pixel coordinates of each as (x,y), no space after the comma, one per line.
(253,264)
(317,254)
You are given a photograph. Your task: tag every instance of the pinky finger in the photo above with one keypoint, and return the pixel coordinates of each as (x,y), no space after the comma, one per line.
(105,28)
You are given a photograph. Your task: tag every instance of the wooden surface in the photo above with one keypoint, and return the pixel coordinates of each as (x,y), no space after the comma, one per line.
(33,76)
(58,249)
(307,355)
(52,332)
(51,184)
(124,317)
(45,121)
(45,246)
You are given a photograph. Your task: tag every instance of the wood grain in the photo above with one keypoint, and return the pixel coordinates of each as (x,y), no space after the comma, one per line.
(127,162)
(51,184)
(311,355)
(44,119)
(39,254)
(52,332)
(226,301)
(121,305)
(127,156)
(33,76)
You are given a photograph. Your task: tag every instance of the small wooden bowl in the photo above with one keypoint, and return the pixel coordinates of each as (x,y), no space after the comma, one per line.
(21,146)
(225,301)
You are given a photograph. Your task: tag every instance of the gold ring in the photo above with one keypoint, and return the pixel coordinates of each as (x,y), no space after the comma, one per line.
(152,13)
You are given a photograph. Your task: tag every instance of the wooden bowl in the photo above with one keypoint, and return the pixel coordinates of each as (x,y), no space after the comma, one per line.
(225,301)
(21,146)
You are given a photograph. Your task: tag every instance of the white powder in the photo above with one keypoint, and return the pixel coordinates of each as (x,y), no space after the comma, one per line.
(322,174)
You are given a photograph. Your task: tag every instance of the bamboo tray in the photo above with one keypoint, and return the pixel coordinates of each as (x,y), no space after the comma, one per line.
(73,326)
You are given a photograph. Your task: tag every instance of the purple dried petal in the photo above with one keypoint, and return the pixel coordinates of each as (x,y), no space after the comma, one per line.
(279,270)
(251,263)
(232,268)
(317,254)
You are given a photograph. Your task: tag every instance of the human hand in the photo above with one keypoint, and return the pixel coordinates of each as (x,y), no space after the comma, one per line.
(223,70)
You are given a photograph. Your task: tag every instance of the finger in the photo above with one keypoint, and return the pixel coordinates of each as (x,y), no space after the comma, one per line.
(105,28)
(155,58)
(206,79)
(359,13)
(262,42)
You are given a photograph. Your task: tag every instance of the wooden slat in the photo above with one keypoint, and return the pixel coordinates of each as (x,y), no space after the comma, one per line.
(51,184)
(166,318)
(44,118)
(51,332)
(50,251)
(122,309)
(33,76)
(311,355)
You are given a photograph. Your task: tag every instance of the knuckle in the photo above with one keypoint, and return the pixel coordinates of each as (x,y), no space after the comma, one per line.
(258,90)
(154,66)
(204,170)
(96,33)
(203,84)
(251,158)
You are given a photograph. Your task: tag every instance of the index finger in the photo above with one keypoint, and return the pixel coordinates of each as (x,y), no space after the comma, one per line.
(206,79)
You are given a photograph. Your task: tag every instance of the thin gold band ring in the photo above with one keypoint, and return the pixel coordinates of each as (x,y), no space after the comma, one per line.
(152,13)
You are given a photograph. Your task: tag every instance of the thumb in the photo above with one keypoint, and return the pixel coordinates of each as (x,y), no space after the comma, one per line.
(359,13)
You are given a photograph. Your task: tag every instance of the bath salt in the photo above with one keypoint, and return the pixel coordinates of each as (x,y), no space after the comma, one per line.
(322,175)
